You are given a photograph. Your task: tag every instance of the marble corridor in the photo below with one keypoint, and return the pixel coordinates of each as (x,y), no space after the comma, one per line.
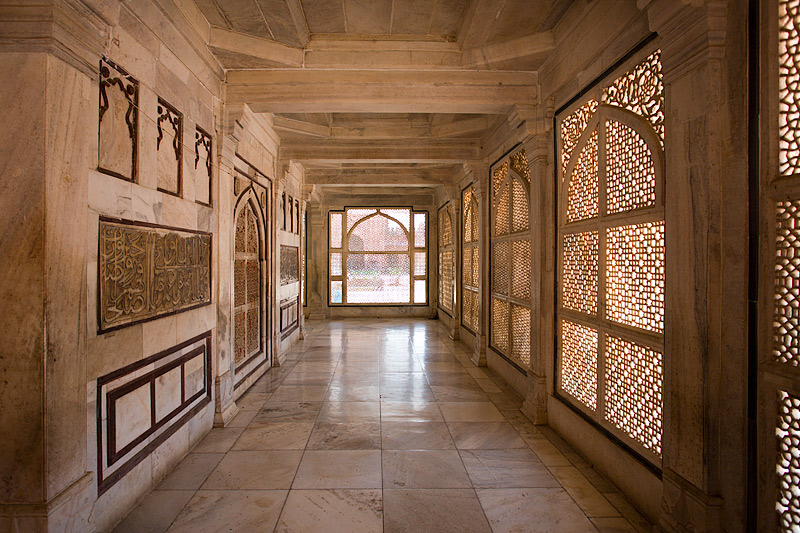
(382,425)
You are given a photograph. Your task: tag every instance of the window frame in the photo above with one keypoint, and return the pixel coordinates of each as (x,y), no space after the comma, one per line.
(412,249)
(601,223)
(446,210)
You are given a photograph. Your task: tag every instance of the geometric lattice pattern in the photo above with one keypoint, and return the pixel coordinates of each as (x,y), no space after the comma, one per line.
(466,269)
(446,226)
(502,213)
(469,309)
(336,230)
(641,91)
(519,207)
(500,324)
(246,286)
(579,272)
(521,269)
(571,130)
(501,256)
(634,378)
(788,467)
(521,334)
(498,177)
(446,280)
(579,362)
(470,298)
(584,189)
(789,87)
(635,276)
(786,328)
(519,164)
(631,175)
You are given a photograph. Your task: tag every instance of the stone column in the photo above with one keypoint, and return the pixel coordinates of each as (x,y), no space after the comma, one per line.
(480,173)
(538,145)
(50,100)
(704,62)
(305,196)
(317,261)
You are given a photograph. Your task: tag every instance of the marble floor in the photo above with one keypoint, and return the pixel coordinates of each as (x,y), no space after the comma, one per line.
(382,425)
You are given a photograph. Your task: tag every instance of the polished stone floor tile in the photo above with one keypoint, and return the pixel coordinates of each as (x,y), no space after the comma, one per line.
(470,412)
(535,509)
(339,469)
(350,412)
(275,436)
(156,512)
(410,412)
(496,469)
(191,472)
(485,435)
(214,511)
(433,511)
(415,436)
(333,511)
(423,469)
(254,470)
(288,412)
(382,425)
(345,436)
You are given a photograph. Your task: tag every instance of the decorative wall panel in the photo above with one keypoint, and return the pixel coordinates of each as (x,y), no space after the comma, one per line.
(248,280)
(118,121)
(446,258)
(788,467)
(290,264)
(141,405)
(611,256)
(470,248)
(147,271)
(169,145)
(203,164)
(290,316)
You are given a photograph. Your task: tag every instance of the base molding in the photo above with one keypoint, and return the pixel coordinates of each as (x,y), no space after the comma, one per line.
(69,510)
(224,416)
(684,507)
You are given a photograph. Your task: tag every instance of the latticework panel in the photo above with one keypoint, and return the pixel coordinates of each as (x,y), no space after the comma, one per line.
(476,265)
(787,284)
(469,309)
(240,236)
(584,189)
(500,324)
(253,331)
(336,292)
(579,363)
(501,213)
(445,227)
(519,206)
(473,222)
(579,266)
(501,256)
(787,433)
(354,215)
(336,264)
(789,86)
(521,335)
(466,271)
(519,164)
(239,336)
(377,234)
(420,263)
(446,265)
(641,91)
(253,282)
(635,275)
(634,384)
(252,232)
(239,282)
(521,269)
(474,310)
(336,230)
(403,216)
(498,177)
(571,130)
(420,229)
(378,278)
(630,171)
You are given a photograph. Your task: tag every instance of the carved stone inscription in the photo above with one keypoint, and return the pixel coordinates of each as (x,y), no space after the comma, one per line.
(146,272)
(290,264)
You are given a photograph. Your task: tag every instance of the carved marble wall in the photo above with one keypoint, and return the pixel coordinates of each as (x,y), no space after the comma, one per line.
(290,264)
(146,272)
(118,121)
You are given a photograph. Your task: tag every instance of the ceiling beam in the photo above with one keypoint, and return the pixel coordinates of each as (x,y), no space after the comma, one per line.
(248,45)
(451,151)
(379,177)
(460,127)
(300,22)
(534,47)
(302,127)
(359,91)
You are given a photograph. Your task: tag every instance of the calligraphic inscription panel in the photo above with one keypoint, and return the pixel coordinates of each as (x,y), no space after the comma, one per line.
(290,265)
(146,272)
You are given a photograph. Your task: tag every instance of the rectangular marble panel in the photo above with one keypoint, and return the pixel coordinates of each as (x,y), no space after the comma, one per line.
(290,264)
(203,165)
(169,145)
(118,115)
(133,411)
(168,393)
(147,271)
